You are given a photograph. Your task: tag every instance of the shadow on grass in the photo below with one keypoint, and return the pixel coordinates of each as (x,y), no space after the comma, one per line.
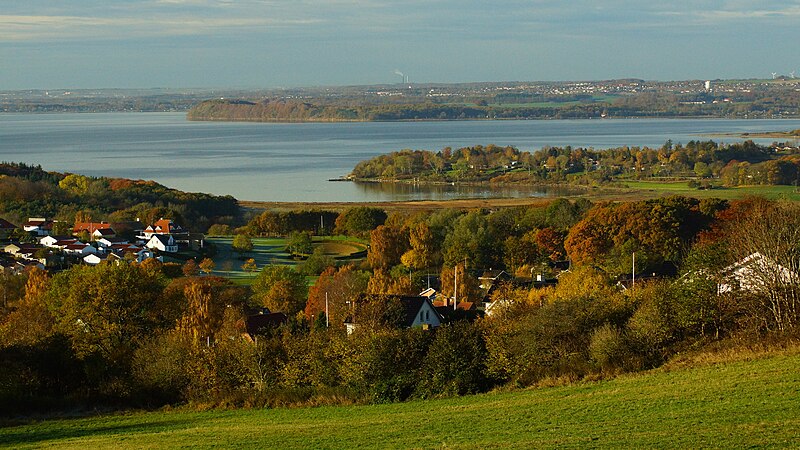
(70,430)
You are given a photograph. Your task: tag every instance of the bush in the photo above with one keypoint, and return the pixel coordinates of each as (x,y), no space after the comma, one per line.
(160,365)
(608,348)
(455,363)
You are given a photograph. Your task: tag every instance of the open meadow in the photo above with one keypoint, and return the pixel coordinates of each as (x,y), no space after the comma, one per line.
(266,251)
(746,403)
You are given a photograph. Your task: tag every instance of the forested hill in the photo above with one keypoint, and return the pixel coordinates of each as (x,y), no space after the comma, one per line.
(299,111)
(29,191)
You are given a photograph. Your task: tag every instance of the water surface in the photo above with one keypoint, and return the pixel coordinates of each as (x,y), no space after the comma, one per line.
(292,162)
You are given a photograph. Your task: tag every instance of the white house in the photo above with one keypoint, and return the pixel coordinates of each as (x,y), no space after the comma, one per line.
(79,249)
(108,242)
(164,243)
(95,259)
(58,241)
(755,272)
(101,233)
(38,225)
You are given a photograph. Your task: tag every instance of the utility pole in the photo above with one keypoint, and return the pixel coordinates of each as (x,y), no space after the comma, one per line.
(327,320)
(455,286)
(633,265)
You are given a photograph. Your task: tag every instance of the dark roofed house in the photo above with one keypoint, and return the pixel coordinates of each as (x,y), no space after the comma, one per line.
(491,277)
(101,233)
(39,225)
(257,324)
(417,312)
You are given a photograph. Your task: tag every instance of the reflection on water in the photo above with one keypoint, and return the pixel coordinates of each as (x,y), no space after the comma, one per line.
(409,191)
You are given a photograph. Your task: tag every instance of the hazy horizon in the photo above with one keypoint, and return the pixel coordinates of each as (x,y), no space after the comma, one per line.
(261,44)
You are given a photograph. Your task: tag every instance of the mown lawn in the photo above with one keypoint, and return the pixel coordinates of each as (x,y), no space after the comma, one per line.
(271,251)
(732,405)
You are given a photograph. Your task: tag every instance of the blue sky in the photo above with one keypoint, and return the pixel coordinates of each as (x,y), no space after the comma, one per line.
(263,44)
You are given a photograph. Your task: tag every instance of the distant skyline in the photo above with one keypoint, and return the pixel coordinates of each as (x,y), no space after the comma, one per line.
(49,44)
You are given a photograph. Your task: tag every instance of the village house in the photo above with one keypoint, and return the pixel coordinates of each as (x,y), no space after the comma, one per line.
(38,225)
(90,228)
(95,259)
(162,243)
(418,311)
(59,242)
(162,227)
(79,249)
(754,273)
(108,242)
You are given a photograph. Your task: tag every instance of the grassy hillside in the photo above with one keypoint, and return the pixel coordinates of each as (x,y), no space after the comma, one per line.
(739,404)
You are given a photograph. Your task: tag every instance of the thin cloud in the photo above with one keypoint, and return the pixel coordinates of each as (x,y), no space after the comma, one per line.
(35,28)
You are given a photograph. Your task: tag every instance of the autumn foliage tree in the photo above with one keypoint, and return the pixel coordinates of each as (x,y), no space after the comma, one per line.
(657,230)
(281,289)
(341,287)
(387,246)
(422,253)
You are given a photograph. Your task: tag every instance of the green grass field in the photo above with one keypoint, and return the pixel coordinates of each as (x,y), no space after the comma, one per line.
(682,188)
(272,251)
(731,405)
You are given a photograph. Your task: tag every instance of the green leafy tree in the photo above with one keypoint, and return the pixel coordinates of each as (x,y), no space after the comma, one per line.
(359,221)
(300,243)
(109,309)
(242,244)
(281,288)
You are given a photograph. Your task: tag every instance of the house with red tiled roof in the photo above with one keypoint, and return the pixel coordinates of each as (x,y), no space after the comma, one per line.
(162,226)
(89,227)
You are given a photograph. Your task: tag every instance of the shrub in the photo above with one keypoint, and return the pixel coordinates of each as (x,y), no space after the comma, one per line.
(455,363)
(608,347)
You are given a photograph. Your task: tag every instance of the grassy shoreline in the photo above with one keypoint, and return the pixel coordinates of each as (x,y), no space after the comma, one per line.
(623,191)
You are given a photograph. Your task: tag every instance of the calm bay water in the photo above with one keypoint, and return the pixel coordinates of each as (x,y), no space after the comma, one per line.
(292,162)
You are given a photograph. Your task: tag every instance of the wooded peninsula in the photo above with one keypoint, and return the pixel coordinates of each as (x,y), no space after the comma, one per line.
(496,101)
(704,163)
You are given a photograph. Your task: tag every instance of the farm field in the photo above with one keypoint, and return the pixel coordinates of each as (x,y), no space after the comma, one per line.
(730,405)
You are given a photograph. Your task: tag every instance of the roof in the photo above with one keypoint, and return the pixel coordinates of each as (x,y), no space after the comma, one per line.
(164,239)
(105,231)
(6,225)
(257,322)
(494,275)
(116,240)
(429,293)
(89,226)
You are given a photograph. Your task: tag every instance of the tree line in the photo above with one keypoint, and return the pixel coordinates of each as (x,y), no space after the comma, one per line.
(768,102)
